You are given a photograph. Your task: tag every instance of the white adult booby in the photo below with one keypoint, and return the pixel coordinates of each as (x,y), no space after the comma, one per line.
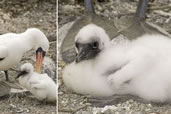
(40,85)
(13,46)
(140,67)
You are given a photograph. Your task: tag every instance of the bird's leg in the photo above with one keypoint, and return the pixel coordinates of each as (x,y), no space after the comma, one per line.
(6,75)
(141,10)
(112,100)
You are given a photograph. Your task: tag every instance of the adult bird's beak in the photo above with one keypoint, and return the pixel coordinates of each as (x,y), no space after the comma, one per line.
(21,74)
(39,59)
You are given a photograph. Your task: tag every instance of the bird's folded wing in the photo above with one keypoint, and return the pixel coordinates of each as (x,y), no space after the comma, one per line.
(40,84)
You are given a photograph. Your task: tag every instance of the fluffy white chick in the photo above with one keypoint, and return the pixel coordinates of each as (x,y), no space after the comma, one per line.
(140,67)
(81,75)
(40,85)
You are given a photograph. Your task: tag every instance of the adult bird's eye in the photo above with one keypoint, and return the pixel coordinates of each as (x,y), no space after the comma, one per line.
(95,45)
(1,59)
(76,44)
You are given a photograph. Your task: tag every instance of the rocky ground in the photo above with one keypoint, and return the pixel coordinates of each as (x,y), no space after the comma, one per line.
(71,103)
(17,16)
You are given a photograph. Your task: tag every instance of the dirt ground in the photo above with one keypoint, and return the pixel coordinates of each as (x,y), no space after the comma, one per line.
(17,16)
(71,103)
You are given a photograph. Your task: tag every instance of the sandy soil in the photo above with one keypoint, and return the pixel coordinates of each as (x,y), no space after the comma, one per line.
(17,16)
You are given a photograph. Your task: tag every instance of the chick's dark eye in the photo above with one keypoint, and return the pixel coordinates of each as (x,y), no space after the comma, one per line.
(95,44)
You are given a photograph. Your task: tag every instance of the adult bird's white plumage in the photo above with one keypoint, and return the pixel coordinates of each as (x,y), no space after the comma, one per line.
(40,85)
(140,67)
(13,46)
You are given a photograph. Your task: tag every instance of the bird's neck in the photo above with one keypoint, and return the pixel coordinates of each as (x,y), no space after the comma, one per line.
(29,41)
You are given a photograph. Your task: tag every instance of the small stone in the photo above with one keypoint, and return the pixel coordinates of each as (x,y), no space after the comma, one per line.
(19,110)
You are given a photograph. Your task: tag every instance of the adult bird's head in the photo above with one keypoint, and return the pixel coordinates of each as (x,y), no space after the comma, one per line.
(40,44)
(25,69)
(89,41)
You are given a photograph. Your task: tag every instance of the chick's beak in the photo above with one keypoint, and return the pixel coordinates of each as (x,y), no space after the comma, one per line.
(39,59)
(20,74)
(86,52)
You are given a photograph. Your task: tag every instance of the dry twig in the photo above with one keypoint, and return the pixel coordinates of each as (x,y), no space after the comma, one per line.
(163,13)
(161,7)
